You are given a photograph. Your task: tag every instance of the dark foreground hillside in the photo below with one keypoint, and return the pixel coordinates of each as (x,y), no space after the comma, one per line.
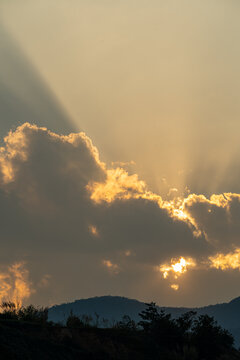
(25,333)
(23,341)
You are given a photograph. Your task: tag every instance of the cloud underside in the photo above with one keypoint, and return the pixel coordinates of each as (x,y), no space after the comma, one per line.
(70,217)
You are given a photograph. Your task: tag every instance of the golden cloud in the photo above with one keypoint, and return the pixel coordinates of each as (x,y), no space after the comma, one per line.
(175,287)
(93,230)
(14,284)
(118,185)
(177,267)
(113,268)
(226,261)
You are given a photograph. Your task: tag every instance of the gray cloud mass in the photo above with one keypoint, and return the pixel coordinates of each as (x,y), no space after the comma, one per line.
(76,246)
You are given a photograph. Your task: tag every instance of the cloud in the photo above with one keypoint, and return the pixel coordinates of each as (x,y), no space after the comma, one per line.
(175,287)
(216,217)
(15,284)
(177,268)
(70,217)
(226,261)
(43,180)
(113,268)
(118,185)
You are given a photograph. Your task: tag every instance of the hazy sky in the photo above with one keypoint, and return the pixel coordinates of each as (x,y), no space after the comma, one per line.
(155,85)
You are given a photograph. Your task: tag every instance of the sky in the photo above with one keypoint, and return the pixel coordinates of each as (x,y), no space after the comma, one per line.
(119,158)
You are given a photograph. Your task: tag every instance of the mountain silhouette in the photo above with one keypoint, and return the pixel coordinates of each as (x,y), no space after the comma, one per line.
(114,308)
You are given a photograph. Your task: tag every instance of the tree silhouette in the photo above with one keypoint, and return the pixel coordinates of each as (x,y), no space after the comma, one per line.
(28,313)
(163,330)
(187,336)
(126,323)
(210,339)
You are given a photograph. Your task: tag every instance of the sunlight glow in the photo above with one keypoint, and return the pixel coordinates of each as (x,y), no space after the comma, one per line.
(93,230)
(113,268)
(176,209)
(176,268)
(175,287)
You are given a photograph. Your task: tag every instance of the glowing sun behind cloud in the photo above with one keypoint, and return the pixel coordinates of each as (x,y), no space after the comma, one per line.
(176,269)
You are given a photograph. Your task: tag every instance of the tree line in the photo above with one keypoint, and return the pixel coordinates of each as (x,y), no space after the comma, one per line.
(156,336)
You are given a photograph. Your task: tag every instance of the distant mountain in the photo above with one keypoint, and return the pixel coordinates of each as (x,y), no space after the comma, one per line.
(114,308)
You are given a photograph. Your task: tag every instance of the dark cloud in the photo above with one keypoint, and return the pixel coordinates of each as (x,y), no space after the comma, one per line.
(44,179)
(148,231)
(217,218)
(86,230)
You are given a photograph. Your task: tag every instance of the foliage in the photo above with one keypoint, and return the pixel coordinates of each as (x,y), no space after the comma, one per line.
(29,313)
(25,333)
(209,338)
(74,321)
(126,324)
(200,336)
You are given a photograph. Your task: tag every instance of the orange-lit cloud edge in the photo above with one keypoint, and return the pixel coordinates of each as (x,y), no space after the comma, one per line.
(118,185)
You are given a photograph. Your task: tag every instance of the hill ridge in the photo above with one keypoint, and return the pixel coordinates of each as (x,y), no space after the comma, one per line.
(114,307)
